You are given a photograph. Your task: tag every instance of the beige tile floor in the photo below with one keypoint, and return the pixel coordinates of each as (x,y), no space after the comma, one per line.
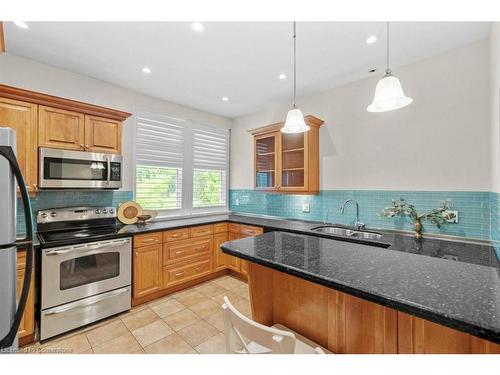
(189,321)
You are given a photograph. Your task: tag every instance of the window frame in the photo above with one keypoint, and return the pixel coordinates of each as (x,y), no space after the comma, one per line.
(187,209)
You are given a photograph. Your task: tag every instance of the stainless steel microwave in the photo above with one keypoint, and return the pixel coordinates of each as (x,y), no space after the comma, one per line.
(64,169)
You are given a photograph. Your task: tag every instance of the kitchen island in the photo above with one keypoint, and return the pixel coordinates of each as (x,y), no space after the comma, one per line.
(359,298)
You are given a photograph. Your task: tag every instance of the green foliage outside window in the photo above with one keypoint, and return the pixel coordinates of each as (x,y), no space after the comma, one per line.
(156,187)
(207,188)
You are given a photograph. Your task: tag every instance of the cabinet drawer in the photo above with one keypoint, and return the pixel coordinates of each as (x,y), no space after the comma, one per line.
(202,230)
(249,230)
(186,249)
(180,274)
(220,227)
(176,234)
(235,228)
(147,239)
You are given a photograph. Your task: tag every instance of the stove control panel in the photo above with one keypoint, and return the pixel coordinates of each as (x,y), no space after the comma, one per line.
(75,214)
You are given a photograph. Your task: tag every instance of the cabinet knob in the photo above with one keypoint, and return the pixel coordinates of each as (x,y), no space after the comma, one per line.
(35,186)
(82,146)
(86,146)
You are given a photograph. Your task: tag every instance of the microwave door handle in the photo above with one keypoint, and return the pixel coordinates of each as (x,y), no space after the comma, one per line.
(108,161)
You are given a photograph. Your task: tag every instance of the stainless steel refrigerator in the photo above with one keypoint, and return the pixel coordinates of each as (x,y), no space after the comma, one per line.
(10,311)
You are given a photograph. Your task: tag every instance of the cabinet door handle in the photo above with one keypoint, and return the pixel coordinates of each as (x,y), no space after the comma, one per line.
(179,274)
(180,252)
(147,240)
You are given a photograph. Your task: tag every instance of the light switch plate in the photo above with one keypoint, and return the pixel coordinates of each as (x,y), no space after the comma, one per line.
(305,207)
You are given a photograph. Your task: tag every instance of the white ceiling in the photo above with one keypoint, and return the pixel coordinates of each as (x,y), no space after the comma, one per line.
(241,60)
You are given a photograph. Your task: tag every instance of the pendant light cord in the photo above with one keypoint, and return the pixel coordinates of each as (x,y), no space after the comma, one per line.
(387,70)
(294,65)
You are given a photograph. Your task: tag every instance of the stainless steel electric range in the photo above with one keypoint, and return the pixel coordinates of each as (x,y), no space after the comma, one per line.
(85,268)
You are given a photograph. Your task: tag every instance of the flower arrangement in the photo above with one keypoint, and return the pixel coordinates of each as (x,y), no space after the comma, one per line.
(438,216)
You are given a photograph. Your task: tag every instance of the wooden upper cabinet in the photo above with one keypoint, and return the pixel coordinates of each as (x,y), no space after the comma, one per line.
(102,135)
(22,118)
(58,128)
(287,162)
(266,161)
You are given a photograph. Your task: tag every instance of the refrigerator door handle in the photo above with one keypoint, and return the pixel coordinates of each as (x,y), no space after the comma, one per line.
(8,153)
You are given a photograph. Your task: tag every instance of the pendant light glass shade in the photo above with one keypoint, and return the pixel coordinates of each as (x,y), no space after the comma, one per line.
(294,119)
(295,122)
(389,95)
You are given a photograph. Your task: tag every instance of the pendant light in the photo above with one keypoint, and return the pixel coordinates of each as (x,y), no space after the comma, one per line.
(294,119)
(389,94)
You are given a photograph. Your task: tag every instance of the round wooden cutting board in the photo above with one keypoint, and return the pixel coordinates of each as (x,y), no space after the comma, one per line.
(128,212)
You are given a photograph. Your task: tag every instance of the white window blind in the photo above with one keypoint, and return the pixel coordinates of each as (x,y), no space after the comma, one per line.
(181,168)
(210,166)
(160,155)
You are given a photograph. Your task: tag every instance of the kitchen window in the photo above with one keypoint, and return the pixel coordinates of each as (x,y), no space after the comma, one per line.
(181,167)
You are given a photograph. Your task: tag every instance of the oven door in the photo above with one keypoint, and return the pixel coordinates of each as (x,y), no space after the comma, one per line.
(60,169)
(70,273)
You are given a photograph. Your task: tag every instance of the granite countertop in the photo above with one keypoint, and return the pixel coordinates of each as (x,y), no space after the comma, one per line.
(460,295)
(476,253)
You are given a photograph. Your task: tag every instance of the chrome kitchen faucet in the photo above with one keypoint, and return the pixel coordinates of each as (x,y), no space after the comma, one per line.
(358,225)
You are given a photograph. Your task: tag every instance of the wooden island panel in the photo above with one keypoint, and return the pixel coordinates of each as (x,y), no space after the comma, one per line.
(346,324)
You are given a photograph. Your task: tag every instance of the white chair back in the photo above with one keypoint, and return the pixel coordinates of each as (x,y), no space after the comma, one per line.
(244,336)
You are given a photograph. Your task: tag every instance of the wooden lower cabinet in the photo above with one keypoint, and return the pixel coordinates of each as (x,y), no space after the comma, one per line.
(148,268)
(419,336)
(347,324)
(233,263)
(186,249)
(26,329)
(181,273)
(221,260)
(166,261)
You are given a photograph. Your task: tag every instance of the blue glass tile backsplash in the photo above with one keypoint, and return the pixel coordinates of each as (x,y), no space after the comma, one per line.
(56,199)
(479,212)
(495,221)
(474,208)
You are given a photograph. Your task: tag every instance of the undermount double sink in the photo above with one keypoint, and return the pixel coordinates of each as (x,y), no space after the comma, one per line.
(335,230)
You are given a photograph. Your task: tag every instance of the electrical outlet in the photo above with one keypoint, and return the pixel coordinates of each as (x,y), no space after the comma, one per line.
(237,202)
(305,207)
(453,216)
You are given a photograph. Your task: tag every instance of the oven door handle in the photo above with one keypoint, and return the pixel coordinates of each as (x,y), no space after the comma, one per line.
(107,244)
(67,250)
(90,302)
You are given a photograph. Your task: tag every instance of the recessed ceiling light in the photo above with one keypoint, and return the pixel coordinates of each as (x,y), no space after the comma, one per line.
(197,26)
(146,70)
(371,39)
(282,76)
(21,24)
(225,98)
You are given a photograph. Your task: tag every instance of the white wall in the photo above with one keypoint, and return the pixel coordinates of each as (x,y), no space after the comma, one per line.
(440,142)
(28,74)
(495,103)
